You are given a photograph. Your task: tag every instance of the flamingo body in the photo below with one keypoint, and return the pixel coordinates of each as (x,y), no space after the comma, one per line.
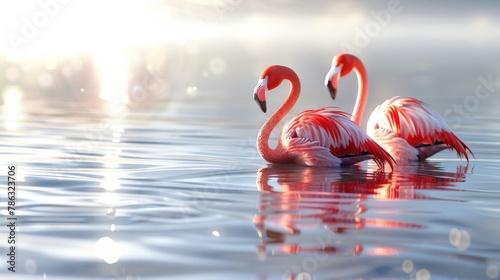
(320,137)
(327,137)
(410,130)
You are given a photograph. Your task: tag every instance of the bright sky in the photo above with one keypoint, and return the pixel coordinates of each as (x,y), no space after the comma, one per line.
(30,27)
(61,27)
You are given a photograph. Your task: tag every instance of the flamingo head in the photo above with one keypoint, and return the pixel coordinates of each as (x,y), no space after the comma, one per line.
(342,65)
(270,79)
(259,93)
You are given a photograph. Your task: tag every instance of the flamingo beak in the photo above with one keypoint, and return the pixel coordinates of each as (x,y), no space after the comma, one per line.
(332,80)
(259,94)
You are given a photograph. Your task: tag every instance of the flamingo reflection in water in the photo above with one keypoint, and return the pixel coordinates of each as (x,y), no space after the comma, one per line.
(309,199)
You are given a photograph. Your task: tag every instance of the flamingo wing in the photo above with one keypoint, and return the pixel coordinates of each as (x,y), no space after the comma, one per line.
(396,146)
(327,133)
(310,153)
(415,122)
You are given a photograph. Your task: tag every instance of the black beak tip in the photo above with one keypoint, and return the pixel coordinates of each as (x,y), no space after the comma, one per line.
(332,90)
(262,104)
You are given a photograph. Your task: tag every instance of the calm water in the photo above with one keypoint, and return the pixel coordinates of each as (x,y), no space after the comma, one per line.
(181,193)
(170,185)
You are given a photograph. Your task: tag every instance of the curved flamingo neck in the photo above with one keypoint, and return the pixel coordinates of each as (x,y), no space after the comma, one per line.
(277,154)
(362,98)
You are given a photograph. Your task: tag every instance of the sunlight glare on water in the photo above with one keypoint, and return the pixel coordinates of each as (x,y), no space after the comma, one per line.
(133,128)
(11,107)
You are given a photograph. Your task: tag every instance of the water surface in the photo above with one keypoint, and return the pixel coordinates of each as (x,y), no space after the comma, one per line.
(180,198)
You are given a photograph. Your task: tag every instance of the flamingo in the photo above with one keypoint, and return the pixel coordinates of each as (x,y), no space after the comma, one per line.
(320,137)
(407,128)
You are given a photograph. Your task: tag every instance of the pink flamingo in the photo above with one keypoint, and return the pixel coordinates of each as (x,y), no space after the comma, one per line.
(405,127)
(320,137)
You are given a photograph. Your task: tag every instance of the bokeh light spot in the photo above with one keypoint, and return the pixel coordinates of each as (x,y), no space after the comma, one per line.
(460,239)
(492,271)
(423,274)
(191,90)
(408,266)
(108,250)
